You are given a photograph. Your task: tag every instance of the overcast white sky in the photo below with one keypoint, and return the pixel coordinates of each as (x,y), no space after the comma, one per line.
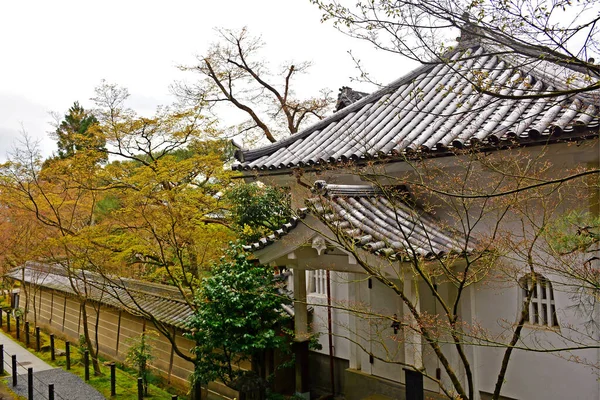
(55,52)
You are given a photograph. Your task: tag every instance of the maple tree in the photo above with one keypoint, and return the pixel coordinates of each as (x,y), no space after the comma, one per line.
(156,206)
(165,183)
(57,198)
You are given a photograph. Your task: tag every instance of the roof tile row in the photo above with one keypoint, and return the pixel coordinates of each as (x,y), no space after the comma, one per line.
(438,107)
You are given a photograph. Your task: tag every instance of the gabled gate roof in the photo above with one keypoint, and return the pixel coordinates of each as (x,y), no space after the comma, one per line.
(383,223)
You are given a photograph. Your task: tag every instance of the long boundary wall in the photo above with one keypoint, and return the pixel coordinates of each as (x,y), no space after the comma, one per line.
(60,314)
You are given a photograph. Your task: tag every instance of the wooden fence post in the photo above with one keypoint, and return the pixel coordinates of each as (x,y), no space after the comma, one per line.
(140,389)
(68,354)
(86,364)
(30,383)
(14,370)
(38,345)
(113,379)
(52,355)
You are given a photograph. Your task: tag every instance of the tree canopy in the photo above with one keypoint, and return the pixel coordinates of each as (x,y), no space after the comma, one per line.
(153,212)
(257,209)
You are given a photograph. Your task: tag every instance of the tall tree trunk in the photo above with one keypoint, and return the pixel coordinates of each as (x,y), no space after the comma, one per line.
(35,306)
(88,341)
(26,293)
(96,339)
(195,269)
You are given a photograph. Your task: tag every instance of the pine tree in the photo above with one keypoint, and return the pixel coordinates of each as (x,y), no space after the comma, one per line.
(79,131)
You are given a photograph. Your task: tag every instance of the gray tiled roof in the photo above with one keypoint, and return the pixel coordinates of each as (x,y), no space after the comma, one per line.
(436,108)
(279,233)
(165,303)
(382,224)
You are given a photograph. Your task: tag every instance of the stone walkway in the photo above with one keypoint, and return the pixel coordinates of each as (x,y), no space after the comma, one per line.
(24,357)
(66,385)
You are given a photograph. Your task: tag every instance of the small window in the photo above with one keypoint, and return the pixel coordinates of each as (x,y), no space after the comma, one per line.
(14,303)
(541,310)
(317,282)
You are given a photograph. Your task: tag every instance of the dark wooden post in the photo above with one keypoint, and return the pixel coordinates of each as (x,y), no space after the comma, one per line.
(174,397)
(30,383)
(38,345)
(68,354)
(8,321)
(18,324)
(86,364)
(0,318)
(51,391)
(140,389)
(27,338)
(52,355)
(197,391)
(302,372)
(113,379)
(14,370)
(414,384)
(1,359)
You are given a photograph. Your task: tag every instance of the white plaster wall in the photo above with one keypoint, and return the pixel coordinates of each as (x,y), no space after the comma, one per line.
(340,319)
(534,375)
(384,343)
(531,375)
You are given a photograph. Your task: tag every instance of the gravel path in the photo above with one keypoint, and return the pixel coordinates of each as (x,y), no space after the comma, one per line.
(66,386)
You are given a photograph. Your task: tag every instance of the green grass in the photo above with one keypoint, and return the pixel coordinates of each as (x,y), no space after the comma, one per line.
(6,393)
(126,382)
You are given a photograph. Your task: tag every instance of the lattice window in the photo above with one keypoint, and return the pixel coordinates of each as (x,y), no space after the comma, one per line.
(317,282)
(542,309)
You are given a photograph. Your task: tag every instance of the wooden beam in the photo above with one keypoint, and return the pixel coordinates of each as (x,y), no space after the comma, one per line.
(118,334)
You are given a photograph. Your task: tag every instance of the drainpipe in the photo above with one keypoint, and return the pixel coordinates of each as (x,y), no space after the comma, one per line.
(330,335)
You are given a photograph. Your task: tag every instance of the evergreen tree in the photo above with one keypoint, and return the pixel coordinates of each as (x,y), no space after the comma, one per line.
(79,130)
(238,320)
